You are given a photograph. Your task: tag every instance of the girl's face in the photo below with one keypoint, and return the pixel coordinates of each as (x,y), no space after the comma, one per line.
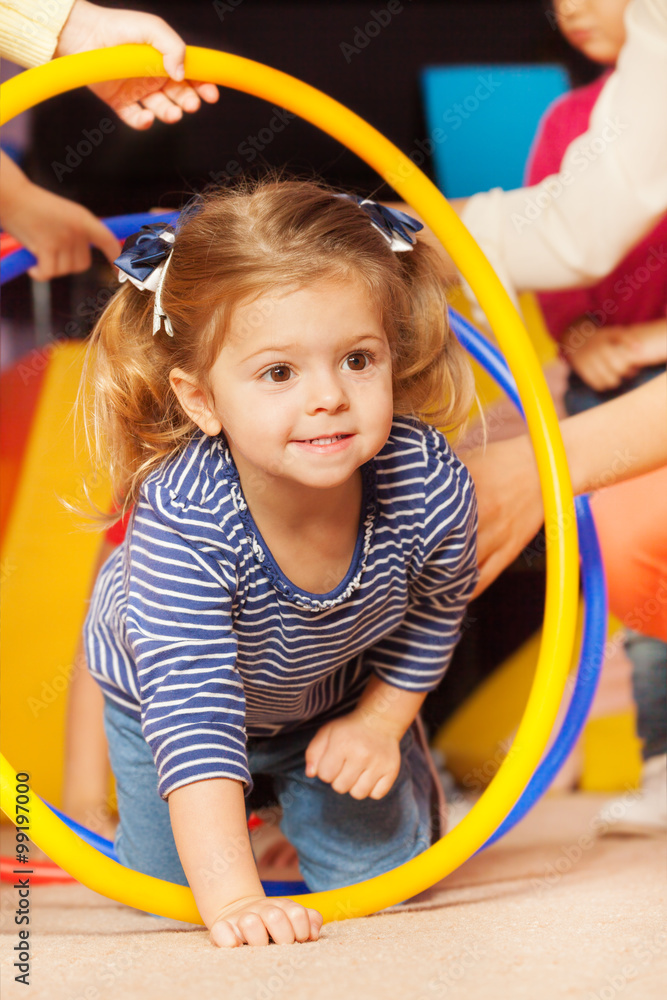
(302,386)
(595,27)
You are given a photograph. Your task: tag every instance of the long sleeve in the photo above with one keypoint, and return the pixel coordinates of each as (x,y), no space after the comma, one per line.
(416,655)
(179,632)
(29,29)
(575,226)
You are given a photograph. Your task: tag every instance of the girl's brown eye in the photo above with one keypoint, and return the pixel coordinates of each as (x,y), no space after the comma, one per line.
(357,362)
(279,373)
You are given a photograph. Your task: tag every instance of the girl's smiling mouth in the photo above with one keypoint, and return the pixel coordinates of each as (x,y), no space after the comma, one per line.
(334,442)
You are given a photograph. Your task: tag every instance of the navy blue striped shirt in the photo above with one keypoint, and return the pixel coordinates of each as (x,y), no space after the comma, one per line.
(194,629)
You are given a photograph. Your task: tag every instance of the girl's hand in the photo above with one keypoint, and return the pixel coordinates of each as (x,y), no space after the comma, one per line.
(256,920)
(354,756)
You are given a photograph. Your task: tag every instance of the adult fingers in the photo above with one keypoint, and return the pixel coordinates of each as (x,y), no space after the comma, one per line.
(135,116)
(162,37)
(79,257)
(72,258)
(46,266)
(207,91)
(182,94)
(164,109)
(102,238)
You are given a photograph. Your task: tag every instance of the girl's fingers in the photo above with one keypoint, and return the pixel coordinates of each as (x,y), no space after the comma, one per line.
(299,919)
(283,921)
(331,766)
(278,925)
(316,920)
(314,752)
(364,785)
(223,935)
(252,929)
(382,786)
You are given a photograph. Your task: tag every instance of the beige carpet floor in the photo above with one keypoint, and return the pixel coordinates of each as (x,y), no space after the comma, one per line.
(536,916)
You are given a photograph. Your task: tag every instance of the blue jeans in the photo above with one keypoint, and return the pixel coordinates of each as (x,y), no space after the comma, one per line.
(339,840)
(649,685)
(579,396)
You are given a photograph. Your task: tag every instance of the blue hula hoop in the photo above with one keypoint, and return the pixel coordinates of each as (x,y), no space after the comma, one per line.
(594,589)
(593,579)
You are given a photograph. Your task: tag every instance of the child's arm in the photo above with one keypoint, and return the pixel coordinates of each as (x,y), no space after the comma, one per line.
(359,753)
(209,824)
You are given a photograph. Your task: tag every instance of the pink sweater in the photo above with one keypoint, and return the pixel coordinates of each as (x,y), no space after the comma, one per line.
(636,290)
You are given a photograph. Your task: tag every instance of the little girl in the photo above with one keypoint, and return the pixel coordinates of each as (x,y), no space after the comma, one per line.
(301,546)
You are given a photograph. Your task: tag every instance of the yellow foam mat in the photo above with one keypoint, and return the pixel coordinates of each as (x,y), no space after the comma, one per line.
(475,739)
(47,560)
(612,754)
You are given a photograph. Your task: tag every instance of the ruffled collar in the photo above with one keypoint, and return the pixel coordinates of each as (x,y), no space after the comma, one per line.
(352,579)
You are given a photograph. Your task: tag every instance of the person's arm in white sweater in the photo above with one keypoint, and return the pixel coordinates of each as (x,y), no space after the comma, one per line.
(31,33)
(574,227)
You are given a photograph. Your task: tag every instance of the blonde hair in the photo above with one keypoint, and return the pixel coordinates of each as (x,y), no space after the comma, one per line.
(237,245)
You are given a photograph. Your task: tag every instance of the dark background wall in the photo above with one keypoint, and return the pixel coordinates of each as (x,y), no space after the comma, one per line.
(131,171)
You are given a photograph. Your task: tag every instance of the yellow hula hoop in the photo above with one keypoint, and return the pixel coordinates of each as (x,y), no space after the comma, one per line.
(142,891)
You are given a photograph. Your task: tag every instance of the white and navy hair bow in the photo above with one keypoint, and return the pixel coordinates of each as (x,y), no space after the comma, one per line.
(146,254)
(144,261)
(396,227)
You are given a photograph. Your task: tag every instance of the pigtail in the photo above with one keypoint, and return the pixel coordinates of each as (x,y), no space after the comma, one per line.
(131,417)
(433,379)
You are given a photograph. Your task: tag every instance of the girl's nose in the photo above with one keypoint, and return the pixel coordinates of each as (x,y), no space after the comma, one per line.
(326,393)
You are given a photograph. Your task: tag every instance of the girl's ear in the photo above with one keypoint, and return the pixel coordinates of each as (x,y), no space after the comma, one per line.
(195,402)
